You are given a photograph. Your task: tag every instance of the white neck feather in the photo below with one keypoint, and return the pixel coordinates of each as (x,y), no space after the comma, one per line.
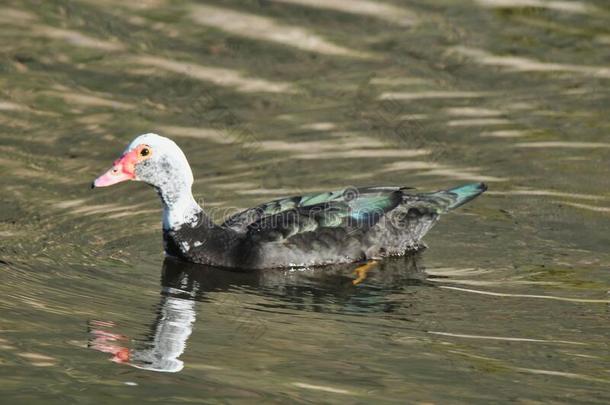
(180,209)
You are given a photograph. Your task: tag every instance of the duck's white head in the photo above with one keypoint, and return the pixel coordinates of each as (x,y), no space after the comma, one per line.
(150,158)
(157,161)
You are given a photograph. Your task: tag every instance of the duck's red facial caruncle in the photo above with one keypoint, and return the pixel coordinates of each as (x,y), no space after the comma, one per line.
(124,168)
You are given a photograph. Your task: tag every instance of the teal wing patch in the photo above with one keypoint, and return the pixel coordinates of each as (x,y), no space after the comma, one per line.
(348,207)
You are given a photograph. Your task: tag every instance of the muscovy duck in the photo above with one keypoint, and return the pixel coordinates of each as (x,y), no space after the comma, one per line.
(343,226)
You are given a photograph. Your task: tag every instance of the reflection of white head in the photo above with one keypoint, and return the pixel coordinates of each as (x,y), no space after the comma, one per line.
(171,333)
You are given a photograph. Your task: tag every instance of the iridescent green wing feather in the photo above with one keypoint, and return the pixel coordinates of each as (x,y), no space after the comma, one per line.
(349,209)
(328,209)
(345,211)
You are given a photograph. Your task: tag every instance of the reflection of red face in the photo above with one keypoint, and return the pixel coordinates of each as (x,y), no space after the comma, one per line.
(121,356)
(105,342)
(124,168)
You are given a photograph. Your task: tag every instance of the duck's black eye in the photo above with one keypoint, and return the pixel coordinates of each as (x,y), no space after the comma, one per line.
(145,152)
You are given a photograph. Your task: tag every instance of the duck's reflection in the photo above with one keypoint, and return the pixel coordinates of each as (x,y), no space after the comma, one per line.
(324,289)
(161,350)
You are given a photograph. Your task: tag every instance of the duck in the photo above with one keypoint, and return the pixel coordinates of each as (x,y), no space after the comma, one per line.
(351,225)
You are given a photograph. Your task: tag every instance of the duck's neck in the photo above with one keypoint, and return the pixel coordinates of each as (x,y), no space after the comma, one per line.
(191,235)
(179,206)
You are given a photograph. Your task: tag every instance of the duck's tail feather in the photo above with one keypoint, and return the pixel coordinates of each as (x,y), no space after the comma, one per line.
(446,200)
(463,194)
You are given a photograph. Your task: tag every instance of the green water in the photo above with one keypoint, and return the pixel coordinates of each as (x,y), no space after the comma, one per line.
(510,303)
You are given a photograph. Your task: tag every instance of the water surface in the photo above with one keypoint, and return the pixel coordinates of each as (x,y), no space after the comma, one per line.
(270,98)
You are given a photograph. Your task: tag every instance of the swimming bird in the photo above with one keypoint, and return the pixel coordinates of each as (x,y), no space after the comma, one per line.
(355,224)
